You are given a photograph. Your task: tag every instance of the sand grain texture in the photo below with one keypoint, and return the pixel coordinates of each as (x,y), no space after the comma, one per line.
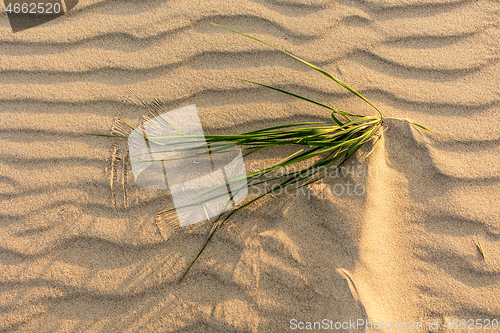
(80,250)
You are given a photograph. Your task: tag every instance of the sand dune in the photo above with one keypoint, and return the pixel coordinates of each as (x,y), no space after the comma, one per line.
(81,251)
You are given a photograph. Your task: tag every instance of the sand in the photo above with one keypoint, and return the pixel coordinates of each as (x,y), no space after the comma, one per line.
(419,242)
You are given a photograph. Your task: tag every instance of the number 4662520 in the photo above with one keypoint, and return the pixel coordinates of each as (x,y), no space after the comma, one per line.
(34,8)
(471,324)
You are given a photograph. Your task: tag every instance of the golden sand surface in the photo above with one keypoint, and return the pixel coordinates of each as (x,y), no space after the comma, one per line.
(81,251)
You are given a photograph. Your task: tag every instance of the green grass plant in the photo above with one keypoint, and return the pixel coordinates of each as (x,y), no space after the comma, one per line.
(327,144)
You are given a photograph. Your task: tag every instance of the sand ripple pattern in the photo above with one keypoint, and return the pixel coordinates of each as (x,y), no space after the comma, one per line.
(80,250)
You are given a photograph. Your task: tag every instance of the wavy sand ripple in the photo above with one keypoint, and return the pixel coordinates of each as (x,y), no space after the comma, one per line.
(81,251)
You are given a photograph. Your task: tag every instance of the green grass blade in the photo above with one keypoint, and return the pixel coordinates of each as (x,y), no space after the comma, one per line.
(344,114)
(308,64)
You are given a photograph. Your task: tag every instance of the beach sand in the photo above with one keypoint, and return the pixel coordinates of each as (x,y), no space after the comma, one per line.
(419,242)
